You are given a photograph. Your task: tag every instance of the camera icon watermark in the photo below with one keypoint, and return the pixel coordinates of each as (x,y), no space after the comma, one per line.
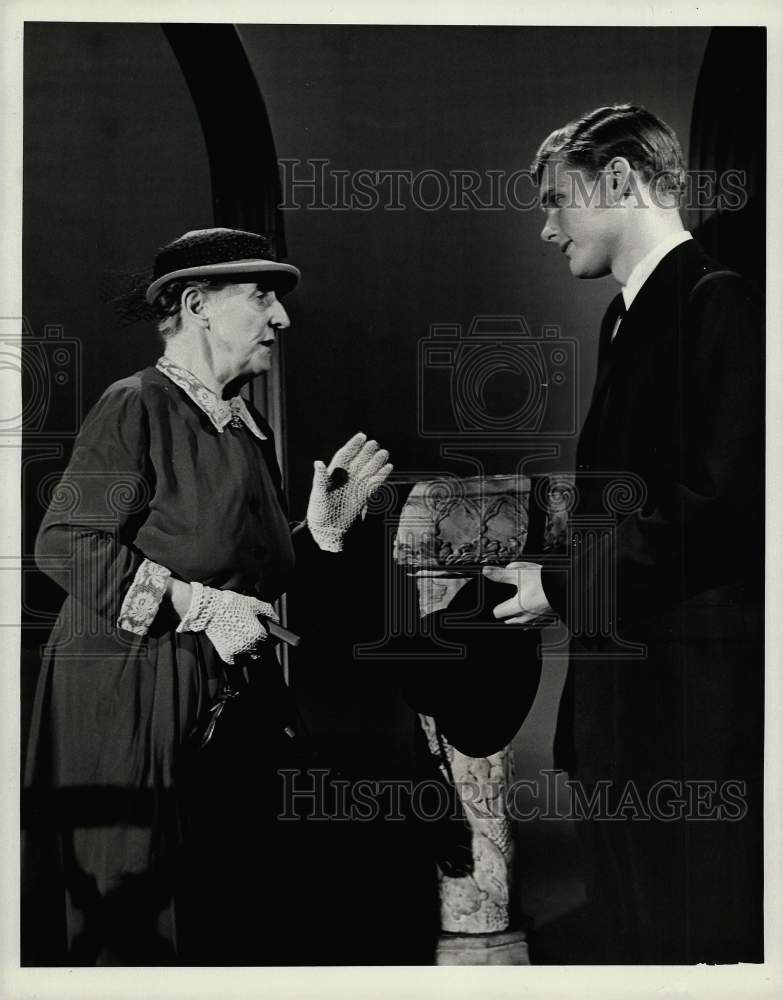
(497,380)
(41,379)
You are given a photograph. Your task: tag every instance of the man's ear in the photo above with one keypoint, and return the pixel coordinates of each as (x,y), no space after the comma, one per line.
(620,179)
(193,304)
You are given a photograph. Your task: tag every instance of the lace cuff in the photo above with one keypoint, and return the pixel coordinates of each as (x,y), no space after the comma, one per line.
(143,598)
(327,539)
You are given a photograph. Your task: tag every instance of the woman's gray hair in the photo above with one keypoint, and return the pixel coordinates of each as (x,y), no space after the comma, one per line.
(168,302)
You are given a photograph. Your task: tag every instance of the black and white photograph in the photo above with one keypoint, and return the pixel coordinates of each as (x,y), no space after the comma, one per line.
(388,449)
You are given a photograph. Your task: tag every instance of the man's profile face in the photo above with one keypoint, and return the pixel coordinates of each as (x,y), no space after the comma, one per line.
(581,220)
(244,320)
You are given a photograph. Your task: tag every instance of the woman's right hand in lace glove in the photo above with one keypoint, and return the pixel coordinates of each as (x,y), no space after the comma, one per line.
(341,490)
(229,620)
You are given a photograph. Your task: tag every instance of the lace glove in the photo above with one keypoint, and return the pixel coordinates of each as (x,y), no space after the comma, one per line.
(341,489)
(229,620)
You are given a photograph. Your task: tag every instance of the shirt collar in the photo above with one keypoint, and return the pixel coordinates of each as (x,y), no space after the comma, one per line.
(647,265)
(232,411)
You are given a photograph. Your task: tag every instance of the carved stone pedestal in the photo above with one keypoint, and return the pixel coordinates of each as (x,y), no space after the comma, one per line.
(475,907)
(448,530)
(500,948)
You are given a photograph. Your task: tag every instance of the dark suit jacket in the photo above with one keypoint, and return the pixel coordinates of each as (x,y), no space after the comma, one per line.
(678,409)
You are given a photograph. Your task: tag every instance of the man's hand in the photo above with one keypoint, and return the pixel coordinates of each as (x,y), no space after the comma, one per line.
(529,603)
(341,489)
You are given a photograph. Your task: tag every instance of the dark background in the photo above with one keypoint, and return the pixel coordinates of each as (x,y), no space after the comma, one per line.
(116,165)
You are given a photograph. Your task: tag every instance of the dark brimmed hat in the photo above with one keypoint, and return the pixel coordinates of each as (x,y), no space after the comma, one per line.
(207,253)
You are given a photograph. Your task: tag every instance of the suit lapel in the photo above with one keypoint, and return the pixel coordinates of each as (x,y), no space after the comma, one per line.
(588,437)
(659,301)
(616,306)
(650,314)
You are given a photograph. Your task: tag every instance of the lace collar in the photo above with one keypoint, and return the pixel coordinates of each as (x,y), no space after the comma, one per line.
(221,412)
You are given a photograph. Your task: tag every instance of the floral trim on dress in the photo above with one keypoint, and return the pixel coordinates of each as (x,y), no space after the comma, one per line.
(232,411)
(143,598)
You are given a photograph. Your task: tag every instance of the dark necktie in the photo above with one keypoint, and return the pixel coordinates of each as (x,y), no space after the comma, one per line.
(616,309)
(619,317)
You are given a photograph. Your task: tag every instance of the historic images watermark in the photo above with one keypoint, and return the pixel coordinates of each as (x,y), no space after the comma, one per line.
(42,412)
(47,368)
(499,385)
(315,184)
(40,415)
(315,795)
(457,367)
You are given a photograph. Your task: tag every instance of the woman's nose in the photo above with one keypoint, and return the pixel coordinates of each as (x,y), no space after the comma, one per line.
(278,317)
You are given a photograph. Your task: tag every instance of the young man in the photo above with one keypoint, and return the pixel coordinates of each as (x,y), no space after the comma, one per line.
(664,701)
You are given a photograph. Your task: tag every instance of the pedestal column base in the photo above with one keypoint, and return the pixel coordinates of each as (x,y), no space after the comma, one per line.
(499,948)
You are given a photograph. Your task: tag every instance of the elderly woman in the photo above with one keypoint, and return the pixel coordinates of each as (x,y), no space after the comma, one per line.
(162,717)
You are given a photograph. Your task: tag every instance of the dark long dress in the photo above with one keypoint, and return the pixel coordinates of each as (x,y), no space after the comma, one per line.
(114,839)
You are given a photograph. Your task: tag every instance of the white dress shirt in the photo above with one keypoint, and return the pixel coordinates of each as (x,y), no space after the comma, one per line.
(645,268)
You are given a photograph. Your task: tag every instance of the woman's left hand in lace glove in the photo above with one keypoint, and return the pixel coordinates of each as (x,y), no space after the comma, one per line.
(341,489)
